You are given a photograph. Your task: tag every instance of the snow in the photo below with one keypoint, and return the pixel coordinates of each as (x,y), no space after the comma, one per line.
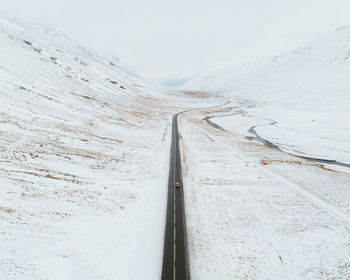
(85,158)
(308,134)
(254,212)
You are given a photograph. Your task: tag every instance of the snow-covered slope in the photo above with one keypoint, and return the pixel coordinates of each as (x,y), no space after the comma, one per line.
(82,187)
(318,73)
(306,92)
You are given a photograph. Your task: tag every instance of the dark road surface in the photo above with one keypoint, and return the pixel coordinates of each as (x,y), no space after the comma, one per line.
(175,260)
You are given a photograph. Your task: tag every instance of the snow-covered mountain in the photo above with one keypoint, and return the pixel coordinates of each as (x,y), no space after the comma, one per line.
(301,99)
(318,72)
(81,169)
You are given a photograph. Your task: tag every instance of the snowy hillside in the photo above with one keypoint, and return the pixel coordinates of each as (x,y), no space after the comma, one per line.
(301,99)
(320,70)
(81,176)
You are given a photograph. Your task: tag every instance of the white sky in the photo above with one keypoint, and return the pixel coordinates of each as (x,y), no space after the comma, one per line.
(163,39)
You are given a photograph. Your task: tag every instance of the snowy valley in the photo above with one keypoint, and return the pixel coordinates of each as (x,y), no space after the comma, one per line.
(265,152)
(84,160)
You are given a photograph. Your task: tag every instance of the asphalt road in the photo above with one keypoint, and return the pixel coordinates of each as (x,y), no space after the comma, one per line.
(175,259)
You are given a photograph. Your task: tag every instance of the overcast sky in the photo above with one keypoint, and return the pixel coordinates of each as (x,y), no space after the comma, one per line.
(163,39)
